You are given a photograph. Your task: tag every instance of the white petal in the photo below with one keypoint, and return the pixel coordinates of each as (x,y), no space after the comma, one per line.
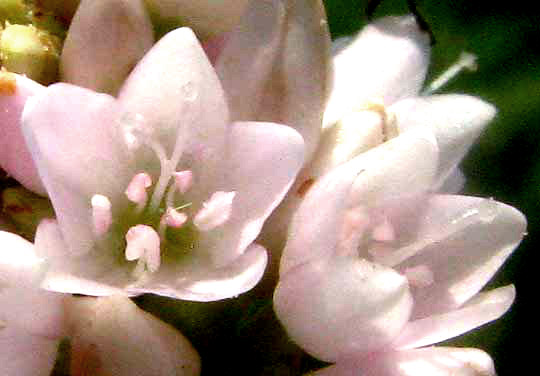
(387,60)
(432,361)
(463,241)
(105,40)
(456,121)
(483,308)
(135,343)
(341,307)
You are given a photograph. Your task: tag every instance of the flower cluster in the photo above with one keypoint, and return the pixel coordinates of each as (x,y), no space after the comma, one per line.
(192,170)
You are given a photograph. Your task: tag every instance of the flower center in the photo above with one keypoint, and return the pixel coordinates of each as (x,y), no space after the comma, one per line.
(159,217)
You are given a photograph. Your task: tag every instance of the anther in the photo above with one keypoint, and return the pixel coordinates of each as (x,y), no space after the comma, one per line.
(215,212)
(143,244)
(136,190)
(101,214)
(174,218)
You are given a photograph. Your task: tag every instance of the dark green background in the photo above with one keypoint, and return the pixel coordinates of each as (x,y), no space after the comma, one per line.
(505,163)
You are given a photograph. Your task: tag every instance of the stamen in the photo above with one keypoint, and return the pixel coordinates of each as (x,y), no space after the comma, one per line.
(384,232)
(215,212)
(101,214)
(174,218)
(136,190)
(419,276)
(466,61)
(183,180)
(143,244)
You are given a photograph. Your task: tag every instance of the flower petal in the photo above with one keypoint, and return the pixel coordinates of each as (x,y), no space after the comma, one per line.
(262,161)
(456,121)
(403,166)
(343,306)
(466,239)
(199,282)
(431,361)
(192,111)
(134,341)
(483,308)
(77,274)
(20,266)
(387,60)
(71,135)
(105,40)
(248,56)
(14,155)
(292,89)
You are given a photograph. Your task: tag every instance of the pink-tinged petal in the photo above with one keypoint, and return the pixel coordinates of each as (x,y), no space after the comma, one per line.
(356,133)
(403,166)
(343,306)
(463,241)
(206,17)
(73,138)
(15,158)
(388,60)
(262,161)
(248,56)
(297,90)
(198,282)
(481,309)
(24,354)
(431,361)
(456,121)
(19,263)
(314,237)
(192,114)
(75,274)
(274,66)
(136,343)
(105,40)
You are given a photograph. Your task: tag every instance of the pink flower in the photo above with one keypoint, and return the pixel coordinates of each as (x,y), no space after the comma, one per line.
(156,191)
(376,96)
(375,266)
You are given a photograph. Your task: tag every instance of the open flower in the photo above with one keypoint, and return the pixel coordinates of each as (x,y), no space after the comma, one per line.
(376,96)
(156,191)
(376,267)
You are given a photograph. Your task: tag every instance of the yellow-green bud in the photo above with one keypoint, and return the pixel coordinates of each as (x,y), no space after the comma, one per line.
(27,50)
